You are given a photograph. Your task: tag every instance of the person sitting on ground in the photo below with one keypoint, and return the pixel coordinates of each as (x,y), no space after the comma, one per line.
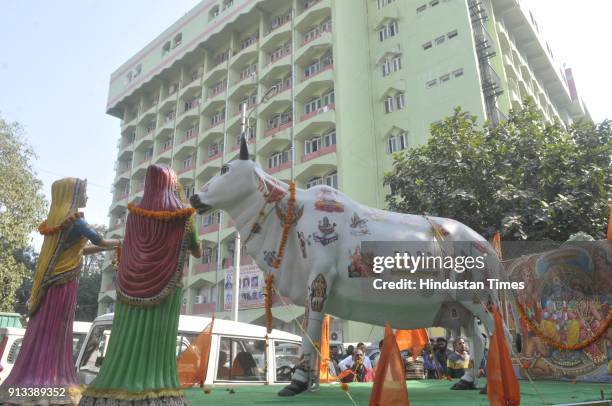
(441,353)
(459,360)
(349,361)
(357,371)
(429,361)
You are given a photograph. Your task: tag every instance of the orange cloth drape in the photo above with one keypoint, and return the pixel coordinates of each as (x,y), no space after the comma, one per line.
(193,362)
(390,380)
(324,376)
(413,340)
(496,243)
(502,385)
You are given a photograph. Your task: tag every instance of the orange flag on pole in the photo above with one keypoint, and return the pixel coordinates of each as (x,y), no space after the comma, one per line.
(390,381)
(414,340)
(193,362)
(324,376)
(502,385)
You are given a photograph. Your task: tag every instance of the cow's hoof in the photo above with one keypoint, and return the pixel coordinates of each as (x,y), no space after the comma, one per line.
(293,389)
(463,385)
(483,391)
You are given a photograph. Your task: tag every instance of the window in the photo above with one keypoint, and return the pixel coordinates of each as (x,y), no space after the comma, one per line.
(382,33)
(458,72)
(188,190)
(166,48)
(314,182)
(431,83)
(95,348)
(422,8)
(167,144)
(148,154)
(227,4)
(427,45)
(218,117)
(312,145)
(399,101)
(331,180)
(444,78)
(386,68)
(452,34)
(403,140)
(393,28)
(207,255)
(178,38)
(241,359)
(329,98)
(440,40)
(188,162)
(388,104)
(214,12)
(391,145)
(434,3)
(214,149)
(397,63)
(329,139)
(192,132)
(250,40)
(312,106)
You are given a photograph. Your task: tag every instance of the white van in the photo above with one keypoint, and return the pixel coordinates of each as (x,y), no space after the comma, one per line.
(238,351)
(79,332)
(10,344)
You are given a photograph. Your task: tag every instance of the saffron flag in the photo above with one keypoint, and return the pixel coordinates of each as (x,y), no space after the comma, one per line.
(324,376)
(193,362)
(390,380)
(502,385)
(496,243)
(413,340)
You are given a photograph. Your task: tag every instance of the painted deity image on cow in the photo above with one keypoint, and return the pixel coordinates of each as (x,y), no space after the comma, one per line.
(565,305)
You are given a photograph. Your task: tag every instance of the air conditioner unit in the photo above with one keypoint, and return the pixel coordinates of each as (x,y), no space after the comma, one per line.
(335,331)
(199,299)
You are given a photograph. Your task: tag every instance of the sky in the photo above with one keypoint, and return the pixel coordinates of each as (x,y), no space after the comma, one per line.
(57,56)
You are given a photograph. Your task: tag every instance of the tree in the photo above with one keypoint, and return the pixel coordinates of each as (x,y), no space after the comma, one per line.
(28,257)
(89,283)
(22,207)
(529,179)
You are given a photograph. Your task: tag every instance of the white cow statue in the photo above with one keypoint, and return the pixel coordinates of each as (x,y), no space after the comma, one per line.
(324,268)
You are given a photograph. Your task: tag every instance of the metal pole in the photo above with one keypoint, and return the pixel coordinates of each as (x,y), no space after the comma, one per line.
(236,302)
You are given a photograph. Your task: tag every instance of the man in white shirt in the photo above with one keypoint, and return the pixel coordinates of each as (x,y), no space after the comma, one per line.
(349,361)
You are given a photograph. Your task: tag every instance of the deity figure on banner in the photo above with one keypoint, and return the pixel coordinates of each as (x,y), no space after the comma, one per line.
(46,359)
(139,367)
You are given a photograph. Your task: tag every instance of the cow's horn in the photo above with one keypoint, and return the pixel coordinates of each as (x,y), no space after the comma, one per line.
(244,149)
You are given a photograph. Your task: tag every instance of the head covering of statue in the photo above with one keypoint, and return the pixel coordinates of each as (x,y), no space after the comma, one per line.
(153,255)
(56,263)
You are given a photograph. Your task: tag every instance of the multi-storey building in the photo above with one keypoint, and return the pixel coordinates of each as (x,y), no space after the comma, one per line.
(347,83)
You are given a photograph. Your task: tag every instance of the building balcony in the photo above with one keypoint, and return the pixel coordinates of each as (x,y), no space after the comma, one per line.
(244,260)
(210,168)
(204,308)
(273,131)
(216,127)
(315,123)
(168,102)
(123,174)
(184,172)
(321,152)
(119,204)
(314,113)
(243,55)
(147,114)
(276,33)
(310,47)
(190,84)
(129,124)
(215,73)
(312,9)
(212,158)
(202,268)
(210,228)
(186,145)
(276,66)
(250,141)
(279,168)
(242,86)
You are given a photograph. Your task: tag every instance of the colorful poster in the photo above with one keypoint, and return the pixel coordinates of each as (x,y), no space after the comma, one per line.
(251,287)
(564,311)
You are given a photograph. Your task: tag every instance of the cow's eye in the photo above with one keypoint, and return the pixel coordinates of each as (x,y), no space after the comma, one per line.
(224,169)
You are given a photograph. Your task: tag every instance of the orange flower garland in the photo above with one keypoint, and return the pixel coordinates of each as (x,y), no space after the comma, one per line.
(288,220)
(549,341)
(161,215)
(44,230)
(268,301)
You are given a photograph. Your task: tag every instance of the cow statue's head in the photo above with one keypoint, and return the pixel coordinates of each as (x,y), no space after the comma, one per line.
(237,180)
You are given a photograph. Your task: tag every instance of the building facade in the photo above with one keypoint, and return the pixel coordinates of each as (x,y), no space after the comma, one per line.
(332,89)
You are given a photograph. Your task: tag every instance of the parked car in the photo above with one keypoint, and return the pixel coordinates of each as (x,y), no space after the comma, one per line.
(10,344)
(238,351)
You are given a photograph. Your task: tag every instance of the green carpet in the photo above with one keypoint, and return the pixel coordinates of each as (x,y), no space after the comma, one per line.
(420,393)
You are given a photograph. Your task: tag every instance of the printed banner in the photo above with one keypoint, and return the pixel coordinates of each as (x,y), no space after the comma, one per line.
(251,287)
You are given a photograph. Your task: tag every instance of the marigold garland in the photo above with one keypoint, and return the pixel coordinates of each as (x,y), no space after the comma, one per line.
(161,215)
(286,227)
(68,221)
(553,343)
(117,256)
(268,301)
